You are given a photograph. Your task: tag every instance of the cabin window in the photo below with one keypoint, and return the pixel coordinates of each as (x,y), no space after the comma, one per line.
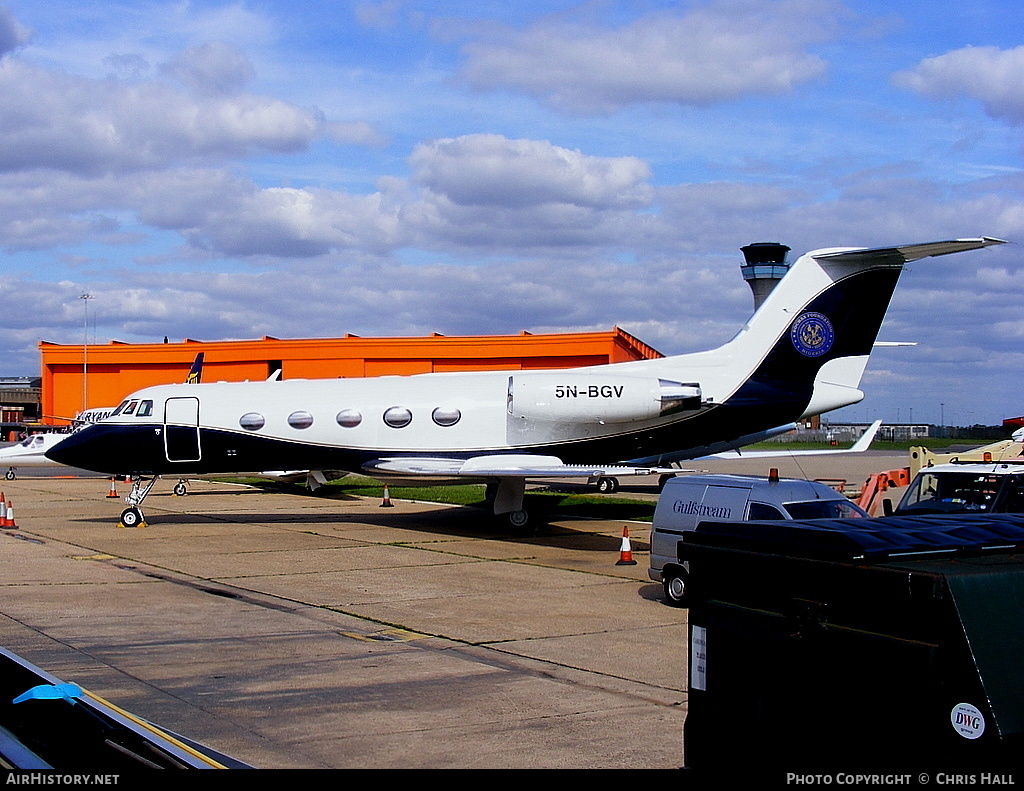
(446,417)
(349,418)
(252,421)
(398,417)
(300,419)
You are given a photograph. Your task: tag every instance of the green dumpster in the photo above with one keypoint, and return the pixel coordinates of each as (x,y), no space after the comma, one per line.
(865,644)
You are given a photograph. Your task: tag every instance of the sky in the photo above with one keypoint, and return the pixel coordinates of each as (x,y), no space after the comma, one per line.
(218,170)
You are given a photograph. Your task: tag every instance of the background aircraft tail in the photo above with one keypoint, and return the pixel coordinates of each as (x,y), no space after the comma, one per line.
(195,374)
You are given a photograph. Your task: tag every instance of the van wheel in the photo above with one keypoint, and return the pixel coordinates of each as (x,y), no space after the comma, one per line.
(675,588)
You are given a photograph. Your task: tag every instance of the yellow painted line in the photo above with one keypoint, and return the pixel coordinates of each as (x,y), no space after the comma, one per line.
(94,557)
(157,731)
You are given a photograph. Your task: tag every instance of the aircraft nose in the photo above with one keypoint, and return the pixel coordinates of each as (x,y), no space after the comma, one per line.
(76,450)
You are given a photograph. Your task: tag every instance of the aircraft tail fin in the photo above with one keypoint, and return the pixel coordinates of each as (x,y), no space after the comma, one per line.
(195,375)
(820,323)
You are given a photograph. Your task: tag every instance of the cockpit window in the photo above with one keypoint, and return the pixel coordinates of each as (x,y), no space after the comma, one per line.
(130,409)
(145,409)
(120,407)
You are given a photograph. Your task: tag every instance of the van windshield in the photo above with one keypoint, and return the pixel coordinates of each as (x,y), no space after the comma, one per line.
(826,509)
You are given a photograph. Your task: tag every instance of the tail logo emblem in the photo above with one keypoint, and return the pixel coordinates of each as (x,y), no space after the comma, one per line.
(812,334)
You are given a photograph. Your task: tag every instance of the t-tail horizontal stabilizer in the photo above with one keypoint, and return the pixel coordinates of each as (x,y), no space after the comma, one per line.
(897,256)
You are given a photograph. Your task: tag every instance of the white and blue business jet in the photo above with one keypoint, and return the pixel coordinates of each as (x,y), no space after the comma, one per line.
(801,354)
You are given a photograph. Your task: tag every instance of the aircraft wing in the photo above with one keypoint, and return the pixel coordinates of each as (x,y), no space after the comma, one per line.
(528,465)
(512,465)
(862,444)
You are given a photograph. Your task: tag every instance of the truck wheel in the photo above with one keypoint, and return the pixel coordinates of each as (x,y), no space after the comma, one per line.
(675,588)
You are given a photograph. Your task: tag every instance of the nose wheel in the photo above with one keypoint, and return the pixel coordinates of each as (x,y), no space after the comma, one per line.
(132,517)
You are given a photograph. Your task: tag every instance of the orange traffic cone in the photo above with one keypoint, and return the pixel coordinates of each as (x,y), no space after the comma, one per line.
(113,488)
(387,498)
(625,552)
(9,522)
(3,510)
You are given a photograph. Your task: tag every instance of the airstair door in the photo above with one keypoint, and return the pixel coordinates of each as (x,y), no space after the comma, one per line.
(181,429)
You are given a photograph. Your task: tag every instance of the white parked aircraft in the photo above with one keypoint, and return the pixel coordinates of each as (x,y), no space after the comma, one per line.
(29,452)
(802,353)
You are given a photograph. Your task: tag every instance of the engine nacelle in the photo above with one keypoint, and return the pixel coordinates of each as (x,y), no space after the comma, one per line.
(588,398)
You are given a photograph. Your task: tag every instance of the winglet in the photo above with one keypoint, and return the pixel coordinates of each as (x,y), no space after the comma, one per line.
(866,438)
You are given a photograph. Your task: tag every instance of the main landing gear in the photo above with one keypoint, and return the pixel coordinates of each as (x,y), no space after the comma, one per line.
(132,516)
(505,499)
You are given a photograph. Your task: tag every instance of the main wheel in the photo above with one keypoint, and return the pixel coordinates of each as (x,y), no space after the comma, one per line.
(131,517)
(674,583)
(10,475)
(180,490)
(517,518)
(607,485)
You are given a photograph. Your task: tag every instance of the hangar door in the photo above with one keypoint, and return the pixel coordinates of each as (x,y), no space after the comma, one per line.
(181,429)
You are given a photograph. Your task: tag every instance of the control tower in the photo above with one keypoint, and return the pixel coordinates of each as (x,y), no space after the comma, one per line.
(765,264)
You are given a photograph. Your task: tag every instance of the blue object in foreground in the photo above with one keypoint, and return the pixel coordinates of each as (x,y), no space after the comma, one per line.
(51,692)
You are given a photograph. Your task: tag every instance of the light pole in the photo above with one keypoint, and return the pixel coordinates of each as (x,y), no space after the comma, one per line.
(942,419)
(85,352)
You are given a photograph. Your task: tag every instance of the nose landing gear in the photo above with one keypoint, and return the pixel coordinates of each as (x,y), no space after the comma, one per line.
(132,516)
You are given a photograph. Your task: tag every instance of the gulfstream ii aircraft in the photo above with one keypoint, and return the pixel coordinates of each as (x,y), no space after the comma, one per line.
(802,353)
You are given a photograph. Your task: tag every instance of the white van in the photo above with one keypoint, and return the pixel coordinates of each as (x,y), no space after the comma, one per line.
(688,500)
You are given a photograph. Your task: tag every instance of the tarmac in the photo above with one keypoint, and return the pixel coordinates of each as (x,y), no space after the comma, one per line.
(298,632)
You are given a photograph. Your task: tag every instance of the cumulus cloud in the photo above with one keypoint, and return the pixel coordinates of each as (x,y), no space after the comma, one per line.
(990,75)
(704,55)
(491,170)
(60,121)
(481,193)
